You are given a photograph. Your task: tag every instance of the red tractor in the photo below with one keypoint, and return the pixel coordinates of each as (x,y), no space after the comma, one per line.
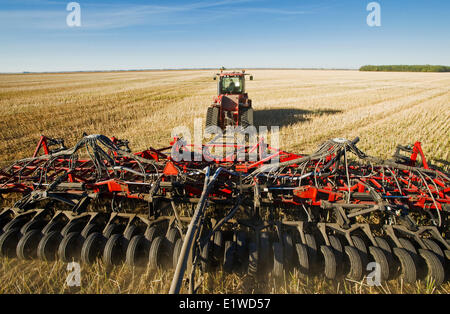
(231,107)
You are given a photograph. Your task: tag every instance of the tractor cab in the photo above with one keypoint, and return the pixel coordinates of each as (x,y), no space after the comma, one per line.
(231,107)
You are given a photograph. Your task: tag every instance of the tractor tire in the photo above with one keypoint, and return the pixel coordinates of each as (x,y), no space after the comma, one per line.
(212,117)
(246,117)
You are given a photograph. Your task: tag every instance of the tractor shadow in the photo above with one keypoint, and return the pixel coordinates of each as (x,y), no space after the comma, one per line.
(287,116)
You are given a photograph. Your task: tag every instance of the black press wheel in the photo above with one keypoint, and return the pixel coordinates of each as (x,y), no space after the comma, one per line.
(15,224)
(435,269)
(353,263)
(137,251)
(27,246)
(329,262)
(278,259)
(33,225)
(264,255)
(312,250)
(48,246)
(69,249)
(360,245)
(89,229)
(253,260)
(93,247)
(73,226)
(115,250)
(158,255)
(8,242)
(218,248)
(435,248)
(229,256)
(379,257)
(303,259)
(289,253)
(408,269)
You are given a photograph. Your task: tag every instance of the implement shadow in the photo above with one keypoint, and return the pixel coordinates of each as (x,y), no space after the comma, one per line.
(287,116)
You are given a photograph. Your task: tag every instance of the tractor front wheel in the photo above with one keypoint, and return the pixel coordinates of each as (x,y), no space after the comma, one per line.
(212,117)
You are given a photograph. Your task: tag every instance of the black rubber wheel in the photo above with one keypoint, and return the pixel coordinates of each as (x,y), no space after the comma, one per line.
(8,242)
(330,266)
(241,251)
(303,260)
(151,233)
(115,250)
(15,224)
(73,226)
(70,247)
(312,250)
(354,270)
(408,271)
(212,117)
(408,246)
(89,229)
(379,257)
(52,226)
(137,251)
(205,255)
(253,259)
(172,237)
(27,246)
(264,254)
(278,259)
(93,247)
(48,246)
(360,245)
(130,232)
(435,269)
(229,256)
(111,229)
(157,256)
(288,253)
(246,117)
(338,251)
(435,248)
(218,248)
(33,225)
(176,252)
(384,245)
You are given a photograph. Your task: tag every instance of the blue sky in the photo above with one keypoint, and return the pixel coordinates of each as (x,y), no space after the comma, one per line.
(139,34)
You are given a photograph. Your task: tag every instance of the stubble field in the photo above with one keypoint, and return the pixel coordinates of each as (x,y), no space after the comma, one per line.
(383,109)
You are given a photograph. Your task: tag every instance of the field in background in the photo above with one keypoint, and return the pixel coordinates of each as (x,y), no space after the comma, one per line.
(383,109)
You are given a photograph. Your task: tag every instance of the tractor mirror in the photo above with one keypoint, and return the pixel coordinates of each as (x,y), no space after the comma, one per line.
(251,77)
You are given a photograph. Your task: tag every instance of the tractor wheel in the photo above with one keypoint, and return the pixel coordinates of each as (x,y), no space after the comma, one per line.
(229,258)
(212,117)
(246,117)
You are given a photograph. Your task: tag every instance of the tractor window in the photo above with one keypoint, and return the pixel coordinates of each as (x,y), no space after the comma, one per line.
(232,85)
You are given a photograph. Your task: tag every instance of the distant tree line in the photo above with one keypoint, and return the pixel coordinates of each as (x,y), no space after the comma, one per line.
(406,68)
